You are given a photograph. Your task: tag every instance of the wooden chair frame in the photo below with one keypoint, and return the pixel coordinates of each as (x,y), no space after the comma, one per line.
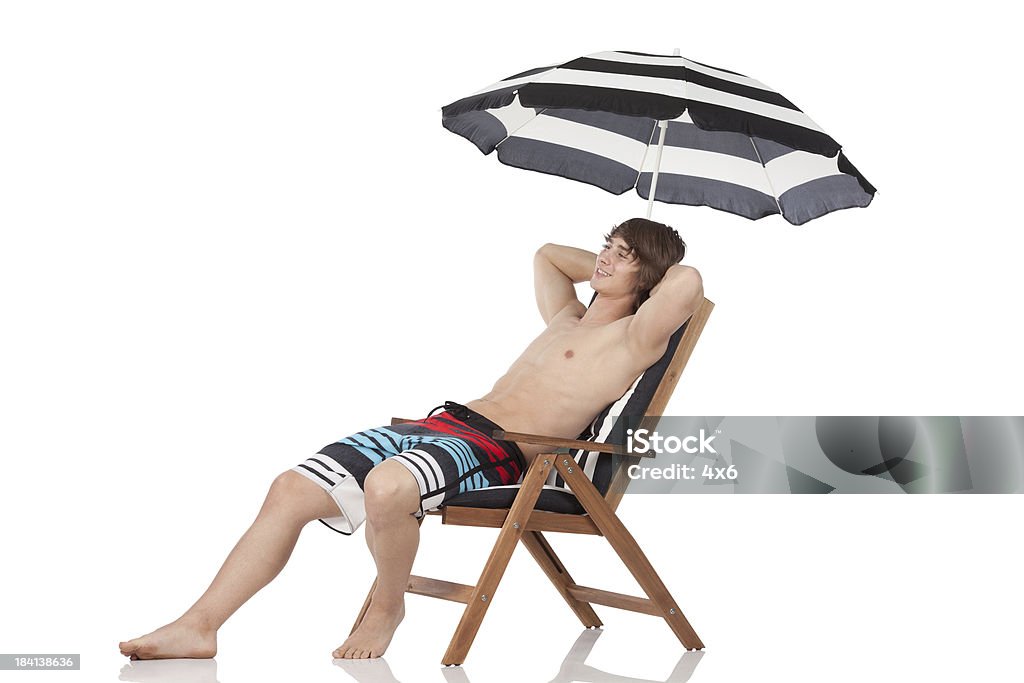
(523,524)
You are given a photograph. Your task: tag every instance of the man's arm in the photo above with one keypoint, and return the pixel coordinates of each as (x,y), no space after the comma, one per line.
(672,301)
(555,270)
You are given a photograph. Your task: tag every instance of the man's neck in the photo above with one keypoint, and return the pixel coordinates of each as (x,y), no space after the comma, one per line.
(607,309)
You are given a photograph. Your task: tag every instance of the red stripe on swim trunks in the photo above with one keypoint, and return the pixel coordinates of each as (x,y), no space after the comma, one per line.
(460,429)
(488,445)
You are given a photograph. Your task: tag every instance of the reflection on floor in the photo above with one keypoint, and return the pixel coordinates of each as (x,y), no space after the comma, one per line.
(170,671)
(573,668)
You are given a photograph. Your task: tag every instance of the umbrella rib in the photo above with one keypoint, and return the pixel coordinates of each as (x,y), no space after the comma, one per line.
(766,176)
(511,133)
(662,129)
(644,160)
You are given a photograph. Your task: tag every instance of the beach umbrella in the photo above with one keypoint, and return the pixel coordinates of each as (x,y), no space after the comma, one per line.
(676,130)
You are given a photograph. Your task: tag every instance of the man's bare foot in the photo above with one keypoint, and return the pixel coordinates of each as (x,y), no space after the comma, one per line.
(179,639)
(374,634)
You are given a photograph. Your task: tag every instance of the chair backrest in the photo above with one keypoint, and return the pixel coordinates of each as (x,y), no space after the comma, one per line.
(645,400)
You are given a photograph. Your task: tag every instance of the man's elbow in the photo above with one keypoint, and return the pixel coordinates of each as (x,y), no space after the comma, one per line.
(685,283)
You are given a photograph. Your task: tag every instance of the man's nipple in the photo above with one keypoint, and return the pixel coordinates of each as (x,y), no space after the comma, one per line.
(569,354)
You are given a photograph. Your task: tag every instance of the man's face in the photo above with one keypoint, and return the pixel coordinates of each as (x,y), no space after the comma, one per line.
(616,270)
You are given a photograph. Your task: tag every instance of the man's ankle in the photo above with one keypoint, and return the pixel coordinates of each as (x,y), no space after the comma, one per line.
(198,621)
(389,604)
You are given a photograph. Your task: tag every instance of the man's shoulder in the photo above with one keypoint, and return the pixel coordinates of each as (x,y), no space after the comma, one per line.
(573,309)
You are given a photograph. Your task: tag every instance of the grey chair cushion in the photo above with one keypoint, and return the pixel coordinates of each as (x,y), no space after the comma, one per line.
(501,497)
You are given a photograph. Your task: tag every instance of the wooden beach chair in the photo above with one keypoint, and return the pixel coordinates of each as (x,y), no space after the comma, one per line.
(574,492)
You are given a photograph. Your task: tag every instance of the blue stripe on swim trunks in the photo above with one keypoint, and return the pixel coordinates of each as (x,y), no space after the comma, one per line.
(381,443)
(446,456)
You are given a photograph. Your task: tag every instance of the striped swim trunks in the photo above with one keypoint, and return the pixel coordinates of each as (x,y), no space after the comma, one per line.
(448,454)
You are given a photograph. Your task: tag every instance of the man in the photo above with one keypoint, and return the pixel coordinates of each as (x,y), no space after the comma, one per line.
(585,359)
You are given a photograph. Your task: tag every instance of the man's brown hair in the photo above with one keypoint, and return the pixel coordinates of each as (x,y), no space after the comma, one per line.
(656,246)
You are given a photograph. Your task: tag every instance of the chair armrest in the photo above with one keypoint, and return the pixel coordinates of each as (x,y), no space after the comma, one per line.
(555,441)
(559,442)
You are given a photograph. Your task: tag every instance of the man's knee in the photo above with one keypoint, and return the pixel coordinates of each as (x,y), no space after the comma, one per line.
(295,495)
(388,490)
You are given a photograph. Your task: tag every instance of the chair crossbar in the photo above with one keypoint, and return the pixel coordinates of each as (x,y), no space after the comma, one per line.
(436,588)
(610,599)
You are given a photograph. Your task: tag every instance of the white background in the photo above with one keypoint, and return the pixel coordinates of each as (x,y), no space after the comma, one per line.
(234,232)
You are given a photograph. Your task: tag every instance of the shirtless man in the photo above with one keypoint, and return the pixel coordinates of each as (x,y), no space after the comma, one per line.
(585,359)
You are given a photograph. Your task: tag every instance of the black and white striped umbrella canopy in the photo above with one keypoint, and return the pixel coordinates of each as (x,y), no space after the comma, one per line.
(730,142)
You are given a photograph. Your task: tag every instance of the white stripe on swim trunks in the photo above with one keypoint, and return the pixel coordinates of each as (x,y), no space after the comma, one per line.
(432,502)
(330,465)
(330,474)
(416,472)
(425,461)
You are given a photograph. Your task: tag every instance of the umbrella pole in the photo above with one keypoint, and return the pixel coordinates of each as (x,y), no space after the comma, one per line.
(657,166)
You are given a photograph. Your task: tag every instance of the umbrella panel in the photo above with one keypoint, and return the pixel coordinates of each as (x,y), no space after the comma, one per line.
(748,176)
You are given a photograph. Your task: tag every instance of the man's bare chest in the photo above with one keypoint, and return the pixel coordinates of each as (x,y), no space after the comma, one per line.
(573,349)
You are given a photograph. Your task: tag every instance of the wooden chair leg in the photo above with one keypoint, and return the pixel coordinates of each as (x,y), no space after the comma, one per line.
(556,571)
(508,538)
(628,550)
(366,606)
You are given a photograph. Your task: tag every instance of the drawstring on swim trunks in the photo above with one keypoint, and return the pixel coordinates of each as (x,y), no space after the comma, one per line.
(457,410)
(462,413)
